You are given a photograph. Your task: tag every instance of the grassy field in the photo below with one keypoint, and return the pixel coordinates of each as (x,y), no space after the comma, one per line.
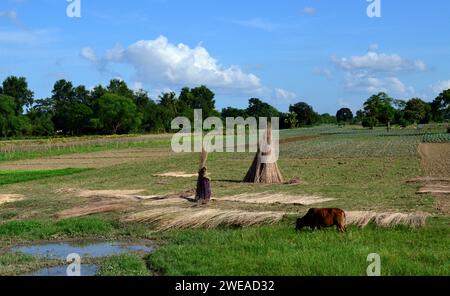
(360,170)
(279,250)
(11,177)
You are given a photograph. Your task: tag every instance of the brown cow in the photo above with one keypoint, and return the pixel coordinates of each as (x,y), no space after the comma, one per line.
(318,218)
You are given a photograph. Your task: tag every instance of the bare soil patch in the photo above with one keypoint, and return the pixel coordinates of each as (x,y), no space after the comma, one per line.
(435,160)
(176,175)
(8,198)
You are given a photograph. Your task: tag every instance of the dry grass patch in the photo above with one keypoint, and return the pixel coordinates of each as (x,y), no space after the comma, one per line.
(90,209)
(176,175)
(182,218)
(166,202)
(8,198)
(275,198)
(363,218)
(116,194)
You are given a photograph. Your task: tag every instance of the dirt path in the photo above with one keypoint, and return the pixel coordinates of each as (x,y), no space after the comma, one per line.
(84,160)
(436,163)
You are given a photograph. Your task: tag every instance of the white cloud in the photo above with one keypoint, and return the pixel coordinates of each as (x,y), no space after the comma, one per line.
(284,95)
(309,10)
(373,84)
(88,54)
(159,61)
(440,86)
(375,72)
(379,62)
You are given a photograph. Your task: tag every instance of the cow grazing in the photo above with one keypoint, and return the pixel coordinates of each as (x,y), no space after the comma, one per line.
(319,218)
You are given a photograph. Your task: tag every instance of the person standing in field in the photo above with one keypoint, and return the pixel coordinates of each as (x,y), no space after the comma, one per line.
(203,192)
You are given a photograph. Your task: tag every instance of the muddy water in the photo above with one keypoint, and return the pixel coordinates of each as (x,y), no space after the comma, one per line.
(60,251)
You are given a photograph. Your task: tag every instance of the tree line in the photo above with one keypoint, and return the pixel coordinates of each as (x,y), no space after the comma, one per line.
(116,109)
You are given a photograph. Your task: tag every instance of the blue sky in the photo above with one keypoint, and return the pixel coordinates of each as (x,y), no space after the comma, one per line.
(327,53)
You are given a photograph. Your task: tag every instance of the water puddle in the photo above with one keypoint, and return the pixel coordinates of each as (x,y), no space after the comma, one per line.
(91,250)
(60,251)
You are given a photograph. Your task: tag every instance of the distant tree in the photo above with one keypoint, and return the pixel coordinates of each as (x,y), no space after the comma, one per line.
(11,124)
(440,107)
(141,99)
(155,118)
(120,88)
(169,100)
(305,114)
(17,88)
(71,108)
(327,118)
(378,109)
(82,95)
(117,114)
(41,119)
(62,92)
(7,113)
(199,98)
(291,120)
(97,92)
(369,121)
(344,115)
(233,112)
(257,108)
(417,111)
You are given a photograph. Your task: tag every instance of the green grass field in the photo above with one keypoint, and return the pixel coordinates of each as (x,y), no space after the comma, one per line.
(361,170)
(11,177)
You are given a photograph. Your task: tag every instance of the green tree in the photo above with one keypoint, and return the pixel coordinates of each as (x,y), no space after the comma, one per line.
(141,99)
(17,88)
(327,118)
(417,111)
(291,120)
(257,108)
(369,121)
(71,108)
(120,88)
(117,114)
(344,115)
(199,98)
(378,109)
(440,107)
(233,112)
(11,124)
(305,114)
(41,121)
(169,100)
